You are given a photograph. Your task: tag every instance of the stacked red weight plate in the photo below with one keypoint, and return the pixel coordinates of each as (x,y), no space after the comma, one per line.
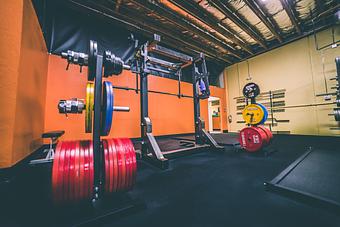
(252,139)
(268,133)
(120,165)
(72,171)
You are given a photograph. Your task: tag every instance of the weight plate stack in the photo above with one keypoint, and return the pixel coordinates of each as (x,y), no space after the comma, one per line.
(253,114)
(89,107)
(268,133)
(72,172)
(107,108)
(251,90)
(252,139)
(120,165)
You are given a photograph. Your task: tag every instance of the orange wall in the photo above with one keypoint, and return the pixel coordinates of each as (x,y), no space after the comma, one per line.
(169,114)
(23,72)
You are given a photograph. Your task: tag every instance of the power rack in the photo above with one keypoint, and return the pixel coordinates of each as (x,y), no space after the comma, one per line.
(152,58)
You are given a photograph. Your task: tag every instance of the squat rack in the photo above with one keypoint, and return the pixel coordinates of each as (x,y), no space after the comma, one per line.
(147,61)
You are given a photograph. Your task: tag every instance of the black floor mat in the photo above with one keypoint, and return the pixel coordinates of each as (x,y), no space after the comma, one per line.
(221,138)
(316,174)
(206,189)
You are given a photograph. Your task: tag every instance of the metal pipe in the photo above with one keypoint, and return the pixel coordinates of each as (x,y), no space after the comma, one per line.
(121,108)
(152,91)
(305,105)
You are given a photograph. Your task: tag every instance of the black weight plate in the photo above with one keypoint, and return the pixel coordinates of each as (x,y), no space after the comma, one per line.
(337,114)
(251,90)
(91,71)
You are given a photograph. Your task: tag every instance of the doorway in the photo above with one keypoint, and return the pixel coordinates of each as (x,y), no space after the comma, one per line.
(214,111)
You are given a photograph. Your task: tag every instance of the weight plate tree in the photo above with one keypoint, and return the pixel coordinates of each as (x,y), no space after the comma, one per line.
(253,114)
(82,170)
(251,90)
(252,139)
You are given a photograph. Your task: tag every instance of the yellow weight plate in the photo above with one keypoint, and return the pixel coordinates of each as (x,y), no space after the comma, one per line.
(253,114)
(89,107)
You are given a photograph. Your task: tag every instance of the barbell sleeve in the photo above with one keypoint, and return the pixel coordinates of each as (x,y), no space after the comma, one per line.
(127,67)
(121,108)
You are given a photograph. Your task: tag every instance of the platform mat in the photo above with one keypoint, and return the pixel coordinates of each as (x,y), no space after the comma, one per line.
(314,176)
(224,139)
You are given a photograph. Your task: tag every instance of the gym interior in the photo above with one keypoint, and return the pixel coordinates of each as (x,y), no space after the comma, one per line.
(170,113)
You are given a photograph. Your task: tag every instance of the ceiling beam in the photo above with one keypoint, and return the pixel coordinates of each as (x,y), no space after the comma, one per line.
(259,10)
(172,39)
(239,20)
(175,18)
(194,9)
(291,15)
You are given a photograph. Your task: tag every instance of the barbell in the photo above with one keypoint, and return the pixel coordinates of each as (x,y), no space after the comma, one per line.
(76,106)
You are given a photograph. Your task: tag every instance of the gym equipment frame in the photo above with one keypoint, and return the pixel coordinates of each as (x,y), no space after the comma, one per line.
(99,66)
(145,64)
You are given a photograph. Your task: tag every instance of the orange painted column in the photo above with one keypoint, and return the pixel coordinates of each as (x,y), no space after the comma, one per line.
(10,41)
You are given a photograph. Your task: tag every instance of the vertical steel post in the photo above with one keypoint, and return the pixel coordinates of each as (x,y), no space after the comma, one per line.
(271,109)
(144,106)
(97,155)
(197,121)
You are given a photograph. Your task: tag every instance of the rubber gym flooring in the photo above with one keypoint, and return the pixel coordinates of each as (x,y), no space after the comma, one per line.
(205,189)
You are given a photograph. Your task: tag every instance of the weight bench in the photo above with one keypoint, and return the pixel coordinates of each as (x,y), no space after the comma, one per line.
(53,136)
